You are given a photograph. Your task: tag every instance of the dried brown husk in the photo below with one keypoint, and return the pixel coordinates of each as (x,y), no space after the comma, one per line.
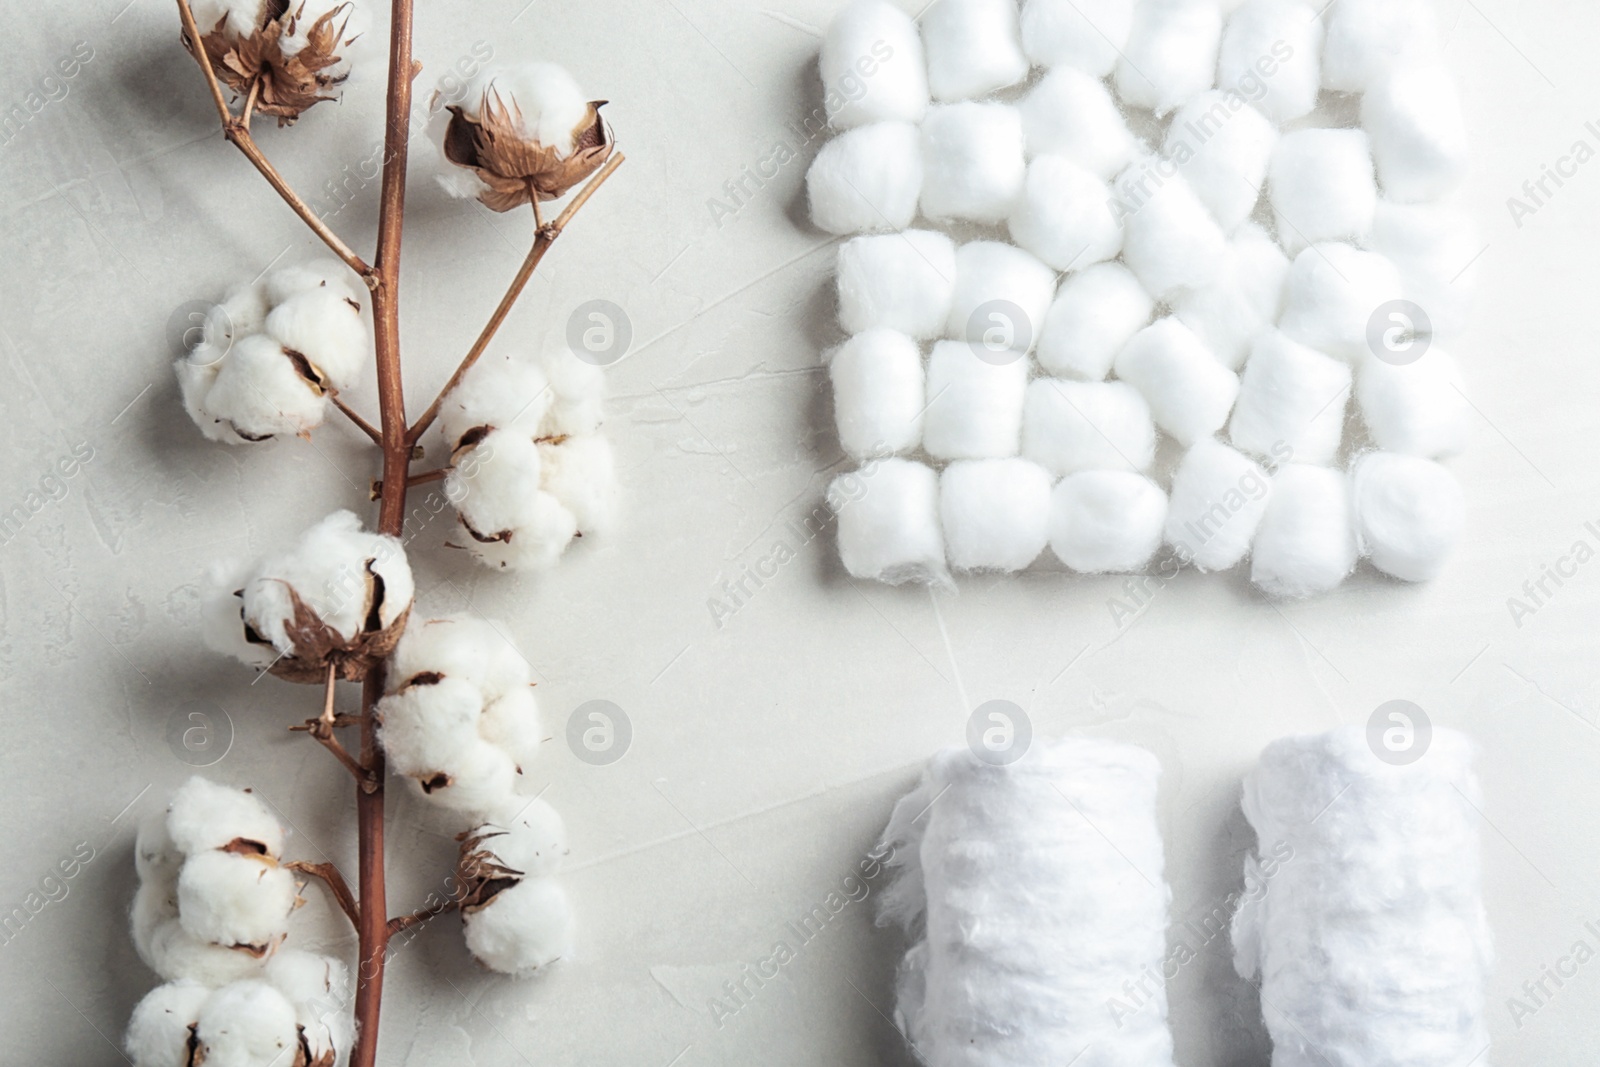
(318,646)
(482,876)
(518,169)
(285,85)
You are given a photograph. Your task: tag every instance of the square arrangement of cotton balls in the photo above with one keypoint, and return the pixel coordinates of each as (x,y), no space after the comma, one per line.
(1114,272)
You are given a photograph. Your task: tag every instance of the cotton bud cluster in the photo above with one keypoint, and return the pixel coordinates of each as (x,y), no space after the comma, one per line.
(531,470)
(274,352)
(291,55)
(514,911)
(338,599)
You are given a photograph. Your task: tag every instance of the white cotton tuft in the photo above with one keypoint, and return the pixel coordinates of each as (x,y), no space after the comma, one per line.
(327,329)
(287,282)
(1241,301)
(233,899)
(1369,38)
(528,836)
(1087,35)
(247,1024)
(507,519)
(204,815)
(1094,314)
(1072,114)
(1417,408)
(888,521)
(1270,52)
(872,66)
(197,373)
(878,396)
(577,394)
(1170,238)
(351,21)
(523,928)
(260,391)
(432,733)
(1065,215)
(319,988)
(1409,514)
(172,951)
(1321,187)
(1171,55)
(544,101)
(1221,146)
(900,281)
(239,18)
(1106,522)
(497,393)
(1305,543)
(1330,295)
(580,473)
(512,723)
(995,513)
(463,647)
(1291,401)
(972,48)
(972,161)
(974,403)
(1078,426)
(158,1030)
(1419,138)
(867,180)
(1218,498)
(1363,915)
(1189,392)
(1435,248)
(1031,890)
(1000,299)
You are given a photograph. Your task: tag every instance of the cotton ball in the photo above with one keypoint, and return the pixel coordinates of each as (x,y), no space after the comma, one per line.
(1077,426)
(995,513)
(1171,55)
(1368,38)
(1087,35)
(496,393)
(1106,522)
(1221,146)
(1321,187)
(204,815)
(974,404)
(512,723)
(239,18)
(460,646)
(878,396)
(972,162)
(233,899)
(1273,47)
(1291,401)
(1305,543)
(867,180)
(888,520)
(247,1024)
(158,1030)
(1170,239)
(262,393)
(1072,114)
(222,616)
(285,283)
(872,66)
(319,988)
(1189,392)
(1244,298)
(1331,294)
(1435,248)
(1409,513)
(495,489)
(1095,312)
(1416,408)
(197,372)
(326,328)
(432,735)
(527,835)
(543,531)
(580,473)
(522,928)
(972,47)
(1000,299)
(577,395)
(1218,498)
(1065,215)
(1419,138)
(900,281)
(352,22)
(173,952)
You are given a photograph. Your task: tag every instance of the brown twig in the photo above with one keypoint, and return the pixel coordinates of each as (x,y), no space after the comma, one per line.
(362,424)
(428,476)
(546,236)
(329,876)
(250,103)
(421,915)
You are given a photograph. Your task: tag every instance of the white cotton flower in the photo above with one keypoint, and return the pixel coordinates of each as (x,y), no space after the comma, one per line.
(204,815)
(158,1031)
(462,647)
(577,391)
(353,19)
(234,899)
(319,988)
(580,472)
(522,928)
(432,733)
(262,393)
(239,18)
(287,282)
(546,102)
(496,393)
(512,723)
(527,836)
(247,1024)
(508,520)
(326,328)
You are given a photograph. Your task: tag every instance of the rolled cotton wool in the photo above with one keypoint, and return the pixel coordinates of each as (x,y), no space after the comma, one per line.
(972,161)
(1087,35)
(1032,891)
(1222,146)
(1001,297)
(1170,239)
(1189,392)
(1321,186)
(995,513)
(878,396)
(1366,39)
(1076,426)
(1106,522)
(1331,293)
(1218,498)
(898,281)
(1419,137)
(1305,543)
(1072,114)
(1276,45)
(1290,398)
(1243,299)
(974,402)
(1094,314)
(867,180)
(1409,514)
(1065,216)
(888,522)
(1171,54)
(1370,938)
(1435,248)
(972,48)
(1416,407)
(872,66)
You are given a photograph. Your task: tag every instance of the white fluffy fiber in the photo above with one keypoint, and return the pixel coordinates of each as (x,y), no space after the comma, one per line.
(1222,147)
(1331,293)
(1290,398)
(1072,114)
(1094,314)
(878,393)
(1409,514)
(257,1022)
(990,271)
(872,66)
(1065,216)
(1106,521)
(1189,392)
(1306,542)
(1242,300)
(1367,39)
(1419,138)
(1322,187)
(1171,54)
(525,927)
(1087,35)
(239,18)
(1031,893)
(1072,426)
(1171,240)
(974,403)
(995,513)
(972,161)
(1218,498)
(1371,942)
(867,180)
(901,281)
(1418,407)
(972,47)
(888,518)
(1434,247)
(1283,37)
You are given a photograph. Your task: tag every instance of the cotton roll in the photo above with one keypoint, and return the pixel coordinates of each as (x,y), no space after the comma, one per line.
(1275,45)
(1419,138)
(1321,187)
(1418,407)
(1170,239)
(1095,312)
(1035,891)
(872,66)
(1331,294)
(974,404)
(901,281)
(995,513)
(1106,522)
(1171,55)
(1072,114)
(1222,147)
(1290,397)
(1435,248)
(1305,543)
(972,161)
(1243,299)
(1065,215)
(867,180)
(1370,938)
(1409,513)
(878,396)
(1189,392)
(972,48)
(999,288)
(1366,39)
(1218,498)
(1079,426)
(1087,35)
(888,521)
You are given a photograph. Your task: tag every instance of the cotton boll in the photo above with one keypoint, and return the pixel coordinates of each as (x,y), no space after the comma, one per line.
(972,162)
(352,21)
(995,513)
(287,282)
(888,519)
(1171,55)
(432,734)
(197,373)
(867,180)
(1106,522)
(528,836)
(1222,146)
(1170,239)
(235,899)
(1280,36)
(1290,398)
(577,393)
(1079,426)
(158,1030)
(319,988)
(523,928)
(497,393)
(1434,246)
(1065,216)
(1189,392)
(494,484)
(1322,187)
(174,953)
(512,724)
(1095,313)
(974,405)
(239,18)
(326,329)
(463,647)
(972,47)
(1243,299)
(581,474)
(1416,408)
(204,815)
(261,392)
(1218,499)
(1409,513)
(545,529)
(1369,38)
(242,312)
(247,1024)
(1000,299)
(1084,34)
(878,396)
(1072,114)
(872,66)
(1331,294)
(222,616)
(1419,138)
(899,281)
(1305,543)
(545,102)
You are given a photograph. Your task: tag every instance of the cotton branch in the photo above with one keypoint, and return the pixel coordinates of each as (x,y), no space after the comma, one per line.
(329,876)
(421,915)
(361,424)
(321,729)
